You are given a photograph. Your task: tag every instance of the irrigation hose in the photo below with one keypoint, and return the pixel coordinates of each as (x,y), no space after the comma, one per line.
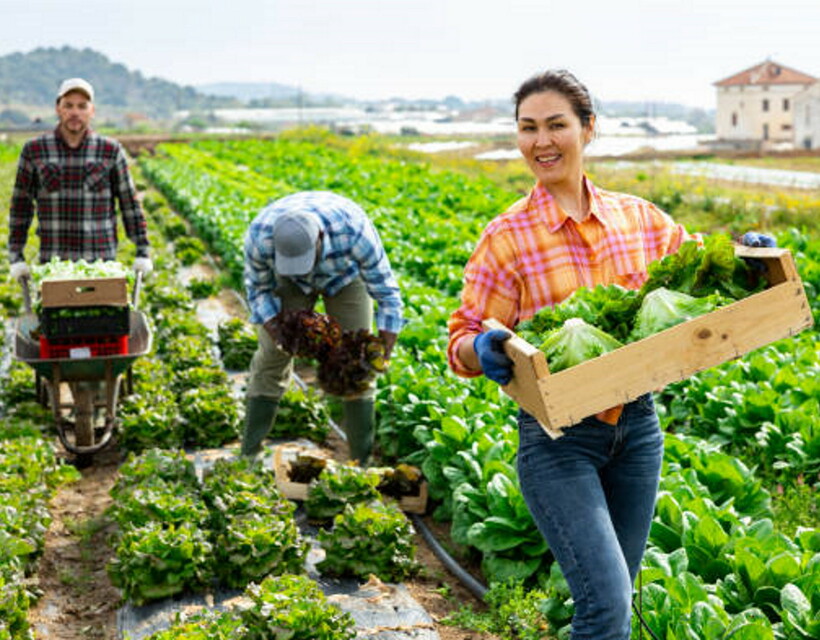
(474,586)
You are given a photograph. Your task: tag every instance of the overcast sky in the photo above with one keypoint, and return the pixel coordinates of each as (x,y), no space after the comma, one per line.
(659,50)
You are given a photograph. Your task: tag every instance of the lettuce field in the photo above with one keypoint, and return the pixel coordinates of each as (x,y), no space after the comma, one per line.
(734,550)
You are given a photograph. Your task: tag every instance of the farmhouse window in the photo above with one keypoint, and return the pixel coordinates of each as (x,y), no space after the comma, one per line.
(765,105)
(765,131)
(785,127)
(785,104)
(734,119)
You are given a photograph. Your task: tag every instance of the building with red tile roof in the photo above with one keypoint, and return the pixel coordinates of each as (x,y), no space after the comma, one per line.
(755,107)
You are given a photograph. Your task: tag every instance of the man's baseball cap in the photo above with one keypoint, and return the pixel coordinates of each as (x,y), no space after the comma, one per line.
(294,240)
(76,84)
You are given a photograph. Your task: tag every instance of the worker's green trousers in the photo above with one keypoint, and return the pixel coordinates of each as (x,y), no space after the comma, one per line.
(359,426)
(271,370)
(260,413)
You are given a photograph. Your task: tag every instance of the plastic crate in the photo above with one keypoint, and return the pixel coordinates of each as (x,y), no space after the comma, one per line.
(84,347)
(87,321)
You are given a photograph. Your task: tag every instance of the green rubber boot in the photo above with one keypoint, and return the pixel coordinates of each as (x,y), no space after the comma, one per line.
(359,425)
(260,413)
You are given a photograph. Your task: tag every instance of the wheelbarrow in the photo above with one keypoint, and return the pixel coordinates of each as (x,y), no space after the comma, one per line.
(81,389)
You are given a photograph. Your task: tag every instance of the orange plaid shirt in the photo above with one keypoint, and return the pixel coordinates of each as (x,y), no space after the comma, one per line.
(534,255)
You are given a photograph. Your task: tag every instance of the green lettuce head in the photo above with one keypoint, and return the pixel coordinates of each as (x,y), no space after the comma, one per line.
(662,309)
(574,342)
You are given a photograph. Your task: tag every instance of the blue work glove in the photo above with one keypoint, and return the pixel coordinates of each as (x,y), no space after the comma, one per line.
(489,347)
(754,239)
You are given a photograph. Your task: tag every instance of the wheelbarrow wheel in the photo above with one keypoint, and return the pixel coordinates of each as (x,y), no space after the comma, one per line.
(83,416)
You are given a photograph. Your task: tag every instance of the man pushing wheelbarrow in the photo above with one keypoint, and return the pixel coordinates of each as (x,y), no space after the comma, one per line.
(74,179)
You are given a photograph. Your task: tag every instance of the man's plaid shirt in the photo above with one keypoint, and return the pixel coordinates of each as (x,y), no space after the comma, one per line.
(76,191)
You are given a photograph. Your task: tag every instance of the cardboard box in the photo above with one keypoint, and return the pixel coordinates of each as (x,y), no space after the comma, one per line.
(85,292)
(565,398)
(285,454)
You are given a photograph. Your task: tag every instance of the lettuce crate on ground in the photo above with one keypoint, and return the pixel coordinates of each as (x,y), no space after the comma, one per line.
(562,399)
(286,454)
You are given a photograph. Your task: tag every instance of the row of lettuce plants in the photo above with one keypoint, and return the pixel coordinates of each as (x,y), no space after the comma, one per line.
(463,433)
(30,470)
(177,534)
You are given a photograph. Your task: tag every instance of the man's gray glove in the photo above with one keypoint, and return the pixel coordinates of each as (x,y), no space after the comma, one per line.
(19,270)
(143,266)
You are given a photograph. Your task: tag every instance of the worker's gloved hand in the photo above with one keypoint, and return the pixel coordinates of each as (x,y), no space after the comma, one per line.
(19,270)
(754,239)
(489,347)
(143,266)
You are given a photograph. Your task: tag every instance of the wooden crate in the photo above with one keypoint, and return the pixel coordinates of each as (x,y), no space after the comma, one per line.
(415,504)
(565,398)
(85,292)
(285,454)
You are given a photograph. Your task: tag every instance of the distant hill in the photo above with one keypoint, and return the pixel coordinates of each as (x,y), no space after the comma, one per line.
(32,79)
(270,94)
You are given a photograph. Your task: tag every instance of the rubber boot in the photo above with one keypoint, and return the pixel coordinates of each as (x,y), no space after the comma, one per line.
(359,423)
(260,413)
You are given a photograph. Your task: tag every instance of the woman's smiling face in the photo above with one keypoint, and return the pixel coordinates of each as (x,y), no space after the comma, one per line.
(552,138)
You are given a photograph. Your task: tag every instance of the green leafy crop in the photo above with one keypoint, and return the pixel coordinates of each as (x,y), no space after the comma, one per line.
(237,343)
(302,414)
(337,486)
(157,561)
(662,309)
(575,342)
(374,537)
(293,608)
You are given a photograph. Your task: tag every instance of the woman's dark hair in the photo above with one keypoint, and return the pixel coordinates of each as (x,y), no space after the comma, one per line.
(563,82)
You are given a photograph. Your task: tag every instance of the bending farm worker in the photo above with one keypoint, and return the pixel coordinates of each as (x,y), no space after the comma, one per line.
(305,246)
(75,177)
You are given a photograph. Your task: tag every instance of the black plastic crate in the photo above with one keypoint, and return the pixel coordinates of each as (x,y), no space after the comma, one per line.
(70,322)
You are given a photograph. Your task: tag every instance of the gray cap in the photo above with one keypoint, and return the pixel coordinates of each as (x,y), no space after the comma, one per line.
(76,84)
(294,239)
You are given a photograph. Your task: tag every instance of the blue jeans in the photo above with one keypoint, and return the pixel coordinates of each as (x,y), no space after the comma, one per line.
(592,495)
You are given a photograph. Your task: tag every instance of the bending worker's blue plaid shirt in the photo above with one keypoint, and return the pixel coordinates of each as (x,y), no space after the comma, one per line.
(350,248)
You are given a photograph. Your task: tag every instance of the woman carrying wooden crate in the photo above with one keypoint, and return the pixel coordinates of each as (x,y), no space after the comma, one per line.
(592,491)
